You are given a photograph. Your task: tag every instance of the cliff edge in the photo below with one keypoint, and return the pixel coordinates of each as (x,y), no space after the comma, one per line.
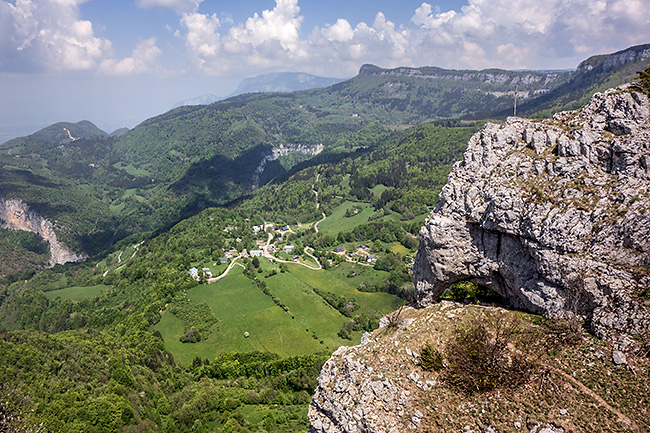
(553,215)
(16,215)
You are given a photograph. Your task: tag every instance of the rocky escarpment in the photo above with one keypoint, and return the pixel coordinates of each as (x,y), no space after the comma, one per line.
(540,81)
(554,215)
(16,215)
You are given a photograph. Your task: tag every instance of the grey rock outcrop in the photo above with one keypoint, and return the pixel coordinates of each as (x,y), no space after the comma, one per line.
(16,215)
(351,399)
(553,215)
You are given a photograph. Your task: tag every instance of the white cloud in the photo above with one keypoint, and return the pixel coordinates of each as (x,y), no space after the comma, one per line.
(341,31)
(38,34)
(480,34)
(280,24)
(145,58)
(175,5)
(201,37)
(267,40)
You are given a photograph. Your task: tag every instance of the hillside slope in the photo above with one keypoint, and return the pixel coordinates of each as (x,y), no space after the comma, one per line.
(97,189)
(595,74)
(572,383)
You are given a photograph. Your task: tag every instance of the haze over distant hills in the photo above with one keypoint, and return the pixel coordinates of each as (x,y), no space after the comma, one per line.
(175,164)
(268,83)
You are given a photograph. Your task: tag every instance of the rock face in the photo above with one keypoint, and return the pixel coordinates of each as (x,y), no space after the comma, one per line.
(553,215)
(350,399)
(16,215)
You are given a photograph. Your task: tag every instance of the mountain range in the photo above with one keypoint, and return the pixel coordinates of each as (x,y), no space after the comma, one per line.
(268,83)
(317,194)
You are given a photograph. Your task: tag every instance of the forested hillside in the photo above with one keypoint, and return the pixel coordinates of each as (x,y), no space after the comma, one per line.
(233,247)
(142,296)
(97,189)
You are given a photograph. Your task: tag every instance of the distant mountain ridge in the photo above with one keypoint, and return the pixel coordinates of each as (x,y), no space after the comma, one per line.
(268,83)
(283,82)
(592,75)
(61,133)
(173,165)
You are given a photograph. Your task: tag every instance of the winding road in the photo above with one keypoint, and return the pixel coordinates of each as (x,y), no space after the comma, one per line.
(119,258)
(224,273)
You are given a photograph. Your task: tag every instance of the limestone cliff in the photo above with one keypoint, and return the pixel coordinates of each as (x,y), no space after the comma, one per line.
(554,215)
(16,215)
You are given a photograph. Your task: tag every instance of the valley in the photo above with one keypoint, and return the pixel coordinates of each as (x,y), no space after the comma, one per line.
(221,255)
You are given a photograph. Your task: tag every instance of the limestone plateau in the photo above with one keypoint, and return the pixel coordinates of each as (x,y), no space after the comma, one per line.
(553,215)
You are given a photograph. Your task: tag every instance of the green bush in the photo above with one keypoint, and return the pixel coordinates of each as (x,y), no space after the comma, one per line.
(487,353)
(430,358)
(468,291)
(643,85)
(192,335)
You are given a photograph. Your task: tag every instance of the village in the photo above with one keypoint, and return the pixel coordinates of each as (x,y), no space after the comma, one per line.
(276,247)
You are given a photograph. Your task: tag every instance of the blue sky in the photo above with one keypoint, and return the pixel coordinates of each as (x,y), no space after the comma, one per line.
(119,62)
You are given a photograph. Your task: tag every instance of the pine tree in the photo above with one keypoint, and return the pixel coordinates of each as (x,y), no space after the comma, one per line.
(643,85)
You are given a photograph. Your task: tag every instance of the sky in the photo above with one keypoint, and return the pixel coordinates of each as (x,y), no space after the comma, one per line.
(119,62)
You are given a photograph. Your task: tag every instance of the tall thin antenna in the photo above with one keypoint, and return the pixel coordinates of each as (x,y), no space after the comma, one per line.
(516,91)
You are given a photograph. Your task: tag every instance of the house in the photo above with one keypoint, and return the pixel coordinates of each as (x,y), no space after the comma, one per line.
(363,247)
(256,229)
(296,258)
(260,244)
(255,253)
(238,239)
(285,229)
(339,250)
(194,273)
(207,272)
(288,248)
(223,259)
(228,256)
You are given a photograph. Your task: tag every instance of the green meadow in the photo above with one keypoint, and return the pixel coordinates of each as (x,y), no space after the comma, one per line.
(309,326)
(338,222)
(77,293)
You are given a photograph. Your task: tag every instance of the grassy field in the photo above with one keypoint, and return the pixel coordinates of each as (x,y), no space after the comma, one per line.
(398,248)
(240,307)
(378,190)
(338,283)
(77,293)
(337,222)
(310,325)
(130,169)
